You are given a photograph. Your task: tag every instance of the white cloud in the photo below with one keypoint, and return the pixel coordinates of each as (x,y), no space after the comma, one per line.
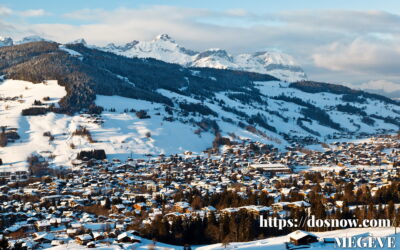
(32,13)
(4,11)
(124,25)
(238,12)
(360,56)
(382,85)
(344,21)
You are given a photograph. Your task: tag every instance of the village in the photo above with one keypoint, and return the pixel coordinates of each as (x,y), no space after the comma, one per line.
(103,202)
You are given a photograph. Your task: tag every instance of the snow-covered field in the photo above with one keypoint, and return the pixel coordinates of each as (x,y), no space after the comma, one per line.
(30,128)
(124,133)
(121,135)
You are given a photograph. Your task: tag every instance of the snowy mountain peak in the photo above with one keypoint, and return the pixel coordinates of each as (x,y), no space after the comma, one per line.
(30,39)
(128,46)
(217,53)
(165,37)
(78,41)
(6,41)
(164,48)
(273,57)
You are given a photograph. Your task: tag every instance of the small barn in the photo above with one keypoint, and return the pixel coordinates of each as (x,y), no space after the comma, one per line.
(301,237)
(83,239)
(127,237)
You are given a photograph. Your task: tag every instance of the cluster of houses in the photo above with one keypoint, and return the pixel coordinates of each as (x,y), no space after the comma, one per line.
(99,201)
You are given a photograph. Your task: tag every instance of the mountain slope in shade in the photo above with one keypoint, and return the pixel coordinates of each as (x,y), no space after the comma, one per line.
(164,48)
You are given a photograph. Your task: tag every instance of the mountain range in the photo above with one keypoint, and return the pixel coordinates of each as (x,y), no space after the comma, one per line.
(164,48)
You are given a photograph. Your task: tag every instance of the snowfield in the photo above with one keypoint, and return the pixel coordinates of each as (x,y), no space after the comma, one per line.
(30,128)
(122,134)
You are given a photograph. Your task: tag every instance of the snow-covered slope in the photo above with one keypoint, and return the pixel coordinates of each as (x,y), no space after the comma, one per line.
(30,39)
(121,134)
(6,41)
(166,49)
(162,48)
(168,130)
(16,96)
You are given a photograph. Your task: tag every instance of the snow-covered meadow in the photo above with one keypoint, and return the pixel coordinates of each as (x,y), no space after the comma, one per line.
(122,134)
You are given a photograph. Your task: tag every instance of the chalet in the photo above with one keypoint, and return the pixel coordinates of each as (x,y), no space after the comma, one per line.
(55,243)
(71,232)
(140,206)
(300,237)
(127,237)
(43,225)
(181,207)
(271,168)
(118,208)
(83,239)
(209,209)
(298,204)
(42,237)
(14,176)
(339,204)
(98,235)
(279,206)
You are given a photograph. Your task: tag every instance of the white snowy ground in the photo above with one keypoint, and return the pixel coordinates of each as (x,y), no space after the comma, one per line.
(30,128)
(275,243)
(278,243)
(126,133)
(145,244)
(121,135)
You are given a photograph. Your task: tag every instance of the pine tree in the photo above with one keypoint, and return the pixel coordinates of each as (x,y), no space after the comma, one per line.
(211,227)
(223,227)
(3,137)
(177,230)
(371,211)
(4,244)
(390,209)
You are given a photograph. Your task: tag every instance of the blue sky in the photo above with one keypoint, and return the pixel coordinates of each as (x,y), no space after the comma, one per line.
(350,42)
(58,8)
